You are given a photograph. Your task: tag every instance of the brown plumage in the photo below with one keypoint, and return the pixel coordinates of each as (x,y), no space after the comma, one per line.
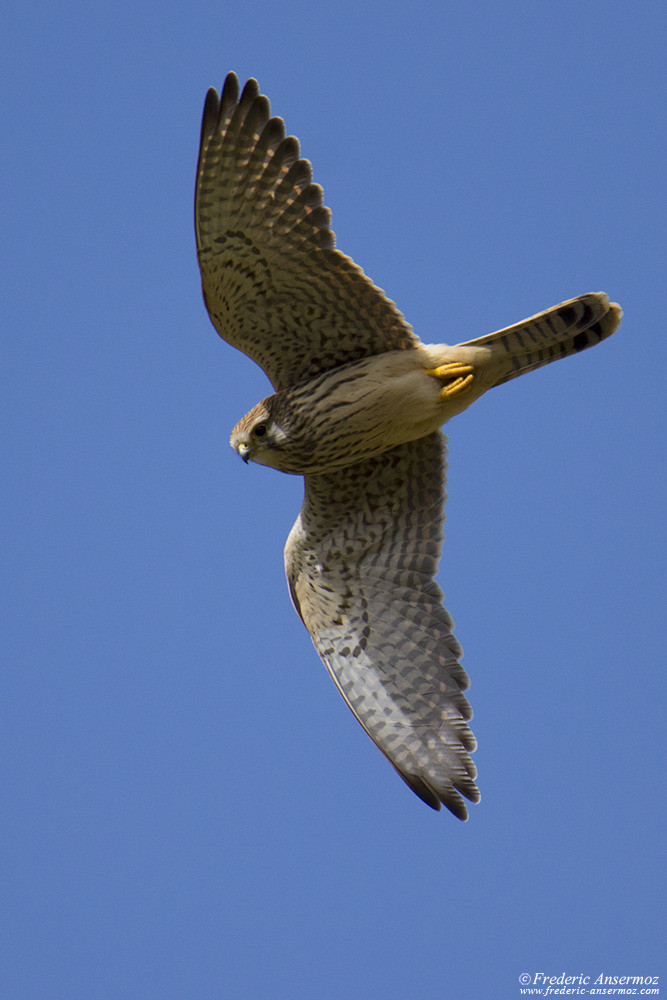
(357,409)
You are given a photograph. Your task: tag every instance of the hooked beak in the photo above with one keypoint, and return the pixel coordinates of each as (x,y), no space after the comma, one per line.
(244,451)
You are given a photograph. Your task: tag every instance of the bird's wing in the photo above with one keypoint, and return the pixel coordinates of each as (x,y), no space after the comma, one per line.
(361,561)
(274,285)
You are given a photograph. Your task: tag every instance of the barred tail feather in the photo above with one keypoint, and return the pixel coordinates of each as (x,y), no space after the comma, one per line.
(556,333)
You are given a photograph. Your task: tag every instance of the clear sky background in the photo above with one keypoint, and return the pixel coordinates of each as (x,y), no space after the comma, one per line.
(189,809)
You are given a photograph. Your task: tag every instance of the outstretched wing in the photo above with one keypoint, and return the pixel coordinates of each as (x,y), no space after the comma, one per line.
(273,284)
(361,561)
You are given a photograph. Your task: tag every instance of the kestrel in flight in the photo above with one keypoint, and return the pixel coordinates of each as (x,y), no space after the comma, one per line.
(357,410)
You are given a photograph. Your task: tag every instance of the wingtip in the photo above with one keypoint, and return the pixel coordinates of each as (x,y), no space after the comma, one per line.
(230,89)
(211,113)
(450,797)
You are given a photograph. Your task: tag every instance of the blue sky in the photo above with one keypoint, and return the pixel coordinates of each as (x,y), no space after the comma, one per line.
(189,808)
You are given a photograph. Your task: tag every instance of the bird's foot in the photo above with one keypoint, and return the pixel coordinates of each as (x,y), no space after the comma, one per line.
(456,378)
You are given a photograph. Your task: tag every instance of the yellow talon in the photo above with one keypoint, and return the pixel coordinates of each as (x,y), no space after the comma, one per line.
(458,378)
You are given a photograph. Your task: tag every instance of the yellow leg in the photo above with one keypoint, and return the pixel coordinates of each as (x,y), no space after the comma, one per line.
(456,376)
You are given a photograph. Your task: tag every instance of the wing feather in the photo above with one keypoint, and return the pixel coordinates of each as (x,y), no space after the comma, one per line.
(361,561)
(274,285)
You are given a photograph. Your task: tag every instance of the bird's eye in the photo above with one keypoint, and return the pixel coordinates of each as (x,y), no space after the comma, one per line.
(259,431)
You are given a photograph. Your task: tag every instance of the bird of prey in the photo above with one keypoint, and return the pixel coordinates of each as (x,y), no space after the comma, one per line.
(357,409)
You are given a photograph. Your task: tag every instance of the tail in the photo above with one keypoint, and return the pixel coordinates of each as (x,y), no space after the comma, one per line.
(556,333)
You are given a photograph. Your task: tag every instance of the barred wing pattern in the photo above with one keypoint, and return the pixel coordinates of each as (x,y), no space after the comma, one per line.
(362,556)
(361,562)
(273,284)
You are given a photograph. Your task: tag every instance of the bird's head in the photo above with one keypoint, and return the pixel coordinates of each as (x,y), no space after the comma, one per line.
(311,428)
(280,433)
(274,433)
(258,437)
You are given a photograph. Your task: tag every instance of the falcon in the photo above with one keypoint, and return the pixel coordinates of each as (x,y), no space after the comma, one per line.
(357,408)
